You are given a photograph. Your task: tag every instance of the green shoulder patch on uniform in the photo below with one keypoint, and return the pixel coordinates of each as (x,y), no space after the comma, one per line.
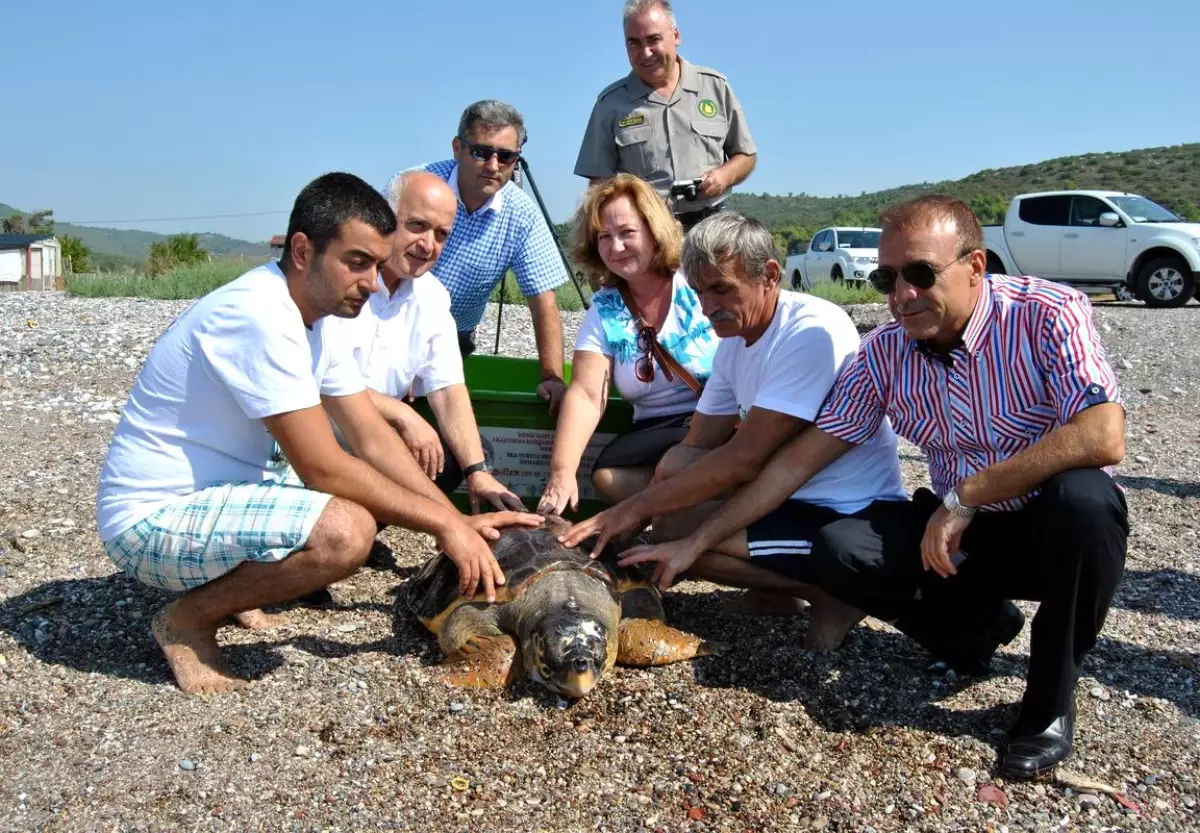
(707,107)
(630,121)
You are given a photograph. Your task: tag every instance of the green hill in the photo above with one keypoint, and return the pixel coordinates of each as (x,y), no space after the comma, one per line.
(1168,175)
(134,245)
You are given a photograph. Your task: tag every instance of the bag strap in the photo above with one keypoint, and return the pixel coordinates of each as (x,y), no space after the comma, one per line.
(665,359)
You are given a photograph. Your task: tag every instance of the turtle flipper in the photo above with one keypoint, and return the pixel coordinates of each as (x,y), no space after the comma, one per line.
(651,642)
(478,653)
(484,661)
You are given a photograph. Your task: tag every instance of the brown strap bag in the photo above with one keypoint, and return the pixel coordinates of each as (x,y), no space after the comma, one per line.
(665,360)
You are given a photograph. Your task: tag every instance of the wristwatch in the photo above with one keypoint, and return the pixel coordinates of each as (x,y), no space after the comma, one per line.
(954,506)
(480,466)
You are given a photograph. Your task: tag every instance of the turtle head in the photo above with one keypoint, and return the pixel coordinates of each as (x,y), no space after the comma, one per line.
(567,650)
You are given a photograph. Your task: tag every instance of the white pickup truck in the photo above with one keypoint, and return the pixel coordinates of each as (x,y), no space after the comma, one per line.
(834,254)
(1099,241)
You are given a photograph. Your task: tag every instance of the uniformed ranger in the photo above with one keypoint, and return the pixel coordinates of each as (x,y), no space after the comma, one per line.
(668,121)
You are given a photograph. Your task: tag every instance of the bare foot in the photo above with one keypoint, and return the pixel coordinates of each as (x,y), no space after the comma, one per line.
(193,655)
(829,622)
(256,620)
(764,603)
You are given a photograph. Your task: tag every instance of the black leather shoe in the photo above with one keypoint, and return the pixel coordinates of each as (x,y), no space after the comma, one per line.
(1003,630)
(1028,756)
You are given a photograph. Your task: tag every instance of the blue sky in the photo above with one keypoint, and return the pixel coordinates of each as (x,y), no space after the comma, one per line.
(134,109)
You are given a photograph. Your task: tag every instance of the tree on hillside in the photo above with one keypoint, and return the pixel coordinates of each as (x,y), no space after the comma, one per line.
(176,250)
(77,253)
(36,222)
(990,209)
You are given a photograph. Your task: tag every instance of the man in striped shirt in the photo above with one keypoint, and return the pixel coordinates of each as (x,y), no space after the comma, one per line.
(1004,384)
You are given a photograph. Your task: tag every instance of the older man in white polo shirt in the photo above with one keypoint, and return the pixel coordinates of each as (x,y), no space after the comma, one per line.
(406,344)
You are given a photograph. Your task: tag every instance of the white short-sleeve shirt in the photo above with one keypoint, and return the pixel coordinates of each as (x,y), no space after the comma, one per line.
(405,340)
(609,329)
(790,369)
(194,416)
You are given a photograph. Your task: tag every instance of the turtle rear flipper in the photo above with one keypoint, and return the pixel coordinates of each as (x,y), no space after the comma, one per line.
(647,642)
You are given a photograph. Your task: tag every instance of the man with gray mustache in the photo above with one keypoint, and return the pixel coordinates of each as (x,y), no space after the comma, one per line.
(779,355)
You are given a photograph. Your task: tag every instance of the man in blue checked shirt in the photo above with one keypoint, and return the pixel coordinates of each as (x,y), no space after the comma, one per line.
(497,228)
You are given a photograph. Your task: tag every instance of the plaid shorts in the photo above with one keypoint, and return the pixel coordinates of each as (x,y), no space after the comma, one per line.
(202,536)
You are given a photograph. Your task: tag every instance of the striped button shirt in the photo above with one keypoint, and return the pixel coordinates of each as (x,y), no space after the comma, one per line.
(507,232)
(1029,360)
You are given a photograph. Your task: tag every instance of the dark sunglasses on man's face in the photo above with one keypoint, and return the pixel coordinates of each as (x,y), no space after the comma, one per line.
(485,152)
(919,274)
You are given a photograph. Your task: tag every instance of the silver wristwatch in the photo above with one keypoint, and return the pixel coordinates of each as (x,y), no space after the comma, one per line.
(956,507)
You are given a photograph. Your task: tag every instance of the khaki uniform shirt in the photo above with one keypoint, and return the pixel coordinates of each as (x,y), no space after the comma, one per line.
(635,130)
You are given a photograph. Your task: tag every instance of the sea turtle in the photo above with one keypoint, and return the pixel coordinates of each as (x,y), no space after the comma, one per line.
(561,616)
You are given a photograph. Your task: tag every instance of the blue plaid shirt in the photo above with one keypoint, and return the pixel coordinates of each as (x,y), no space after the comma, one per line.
(508,232)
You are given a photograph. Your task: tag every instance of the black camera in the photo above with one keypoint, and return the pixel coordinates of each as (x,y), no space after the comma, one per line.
(685,189)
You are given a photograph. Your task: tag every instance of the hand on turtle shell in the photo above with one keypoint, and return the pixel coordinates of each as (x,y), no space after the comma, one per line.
(672,559)
(560,491)
(474,560)
(487,523)
(612,522)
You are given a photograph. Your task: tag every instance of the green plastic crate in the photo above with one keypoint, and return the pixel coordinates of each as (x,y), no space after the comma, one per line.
(518,433)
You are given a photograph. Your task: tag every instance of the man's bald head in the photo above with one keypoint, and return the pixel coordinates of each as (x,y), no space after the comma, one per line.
(425,207)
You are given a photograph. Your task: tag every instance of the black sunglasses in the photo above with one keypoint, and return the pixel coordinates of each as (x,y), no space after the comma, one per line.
(919,274)
(485,152)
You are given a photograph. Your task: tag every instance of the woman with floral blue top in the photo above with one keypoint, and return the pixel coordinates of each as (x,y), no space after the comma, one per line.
(644,327)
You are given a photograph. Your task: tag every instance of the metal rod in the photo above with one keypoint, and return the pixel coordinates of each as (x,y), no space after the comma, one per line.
(500,313)
(561,251)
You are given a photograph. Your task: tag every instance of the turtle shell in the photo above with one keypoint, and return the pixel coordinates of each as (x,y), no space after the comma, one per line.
(522,554)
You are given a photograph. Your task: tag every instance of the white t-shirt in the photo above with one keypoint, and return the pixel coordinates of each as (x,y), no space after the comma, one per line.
(407,340)
(194,416)
(609,329)
(791,370)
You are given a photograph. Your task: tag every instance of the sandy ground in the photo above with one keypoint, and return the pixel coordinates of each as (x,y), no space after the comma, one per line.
(342,727)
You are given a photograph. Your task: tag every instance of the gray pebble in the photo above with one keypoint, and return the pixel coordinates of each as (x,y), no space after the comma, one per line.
(1090,799)
(966,775)
(187,766)
(458,708)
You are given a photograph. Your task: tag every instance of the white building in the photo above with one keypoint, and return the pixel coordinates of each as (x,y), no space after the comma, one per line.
(29,261)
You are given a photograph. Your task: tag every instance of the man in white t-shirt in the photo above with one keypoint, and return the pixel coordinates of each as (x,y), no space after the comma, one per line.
(405,343)
(779,356)
(198,494)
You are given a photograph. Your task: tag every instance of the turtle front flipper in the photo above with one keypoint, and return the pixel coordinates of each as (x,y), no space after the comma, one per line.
(478,653)
(483,662)
(647,642)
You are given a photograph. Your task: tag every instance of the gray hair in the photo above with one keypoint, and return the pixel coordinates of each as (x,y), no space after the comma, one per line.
(395,190)
(635,7)
(493,115)
(728,235)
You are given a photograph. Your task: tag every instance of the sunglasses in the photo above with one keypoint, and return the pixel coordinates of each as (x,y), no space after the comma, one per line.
(644,368)
(483,153)
(919,274)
